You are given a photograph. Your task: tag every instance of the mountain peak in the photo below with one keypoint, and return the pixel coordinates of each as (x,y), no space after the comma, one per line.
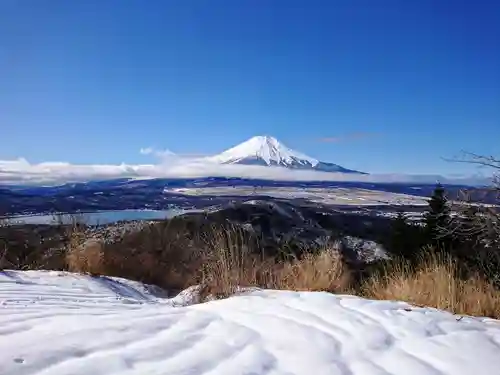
(266,150)
(263,150)
(264,139)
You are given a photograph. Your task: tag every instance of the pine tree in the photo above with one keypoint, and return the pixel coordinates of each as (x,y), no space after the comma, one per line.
(399,234)
(437,219)
(406,238)
(468,230)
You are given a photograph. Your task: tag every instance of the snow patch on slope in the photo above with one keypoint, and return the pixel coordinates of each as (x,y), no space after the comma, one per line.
(54,323)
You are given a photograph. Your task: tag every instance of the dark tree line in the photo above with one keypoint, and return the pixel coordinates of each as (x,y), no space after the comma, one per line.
(468,232)
(410,238)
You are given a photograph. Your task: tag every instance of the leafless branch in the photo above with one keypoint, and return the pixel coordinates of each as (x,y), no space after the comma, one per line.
(473,218)
(481,160)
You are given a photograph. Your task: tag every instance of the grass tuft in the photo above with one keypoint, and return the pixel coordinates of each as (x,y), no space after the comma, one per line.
(435,282)
(86,258)
(324,270)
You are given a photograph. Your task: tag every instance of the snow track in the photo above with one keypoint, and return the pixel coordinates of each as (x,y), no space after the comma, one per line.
(54,323)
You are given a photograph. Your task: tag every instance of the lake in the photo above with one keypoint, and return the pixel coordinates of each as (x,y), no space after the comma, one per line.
(98,217)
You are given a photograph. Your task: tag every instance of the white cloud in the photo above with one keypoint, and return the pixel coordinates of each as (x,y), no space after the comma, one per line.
(146,151)
(21,171)
(160,154)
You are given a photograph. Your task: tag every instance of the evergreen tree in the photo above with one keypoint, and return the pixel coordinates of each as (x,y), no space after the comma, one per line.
(406,238)
(399,234)
(437,219)
(468,231)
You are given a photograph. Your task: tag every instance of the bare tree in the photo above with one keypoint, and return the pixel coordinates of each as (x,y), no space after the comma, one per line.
(475,218)
(476,221)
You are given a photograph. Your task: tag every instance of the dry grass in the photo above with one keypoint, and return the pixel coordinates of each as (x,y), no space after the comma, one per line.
(230,262)
(83,256)
(159,254)
(321,271)
(234,263)
(86,258)
(435,283)
(224,259)
(3,255)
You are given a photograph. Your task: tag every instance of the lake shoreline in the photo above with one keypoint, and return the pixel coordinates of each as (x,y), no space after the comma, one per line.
(95,218)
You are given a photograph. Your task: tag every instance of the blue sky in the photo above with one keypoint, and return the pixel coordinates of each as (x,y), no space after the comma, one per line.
(397,84)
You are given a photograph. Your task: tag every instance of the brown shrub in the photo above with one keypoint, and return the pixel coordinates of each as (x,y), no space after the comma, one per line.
(321,271)
(160,254)
(234,263)
(86,258)
(435,283)
(230,261)
(3,255)
(223,259)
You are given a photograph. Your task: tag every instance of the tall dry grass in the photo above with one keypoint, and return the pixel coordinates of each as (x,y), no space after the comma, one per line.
(323,270)
(3,255)
(234,262)
(231,262)
(435,282)
(82,255)
(224,259)
(155,255)
(86,258)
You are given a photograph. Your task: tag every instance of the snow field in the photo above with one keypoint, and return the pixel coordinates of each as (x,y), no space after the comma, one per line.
(267,148)
(54,323)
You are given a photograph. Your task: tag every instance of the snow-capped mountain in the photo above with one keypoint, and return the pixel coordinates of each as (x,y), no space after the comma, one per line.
(268,151)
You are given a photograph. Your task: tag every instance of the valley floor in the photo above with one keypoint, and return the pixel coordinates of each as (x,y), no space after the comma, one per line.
(327,196)
(55,323)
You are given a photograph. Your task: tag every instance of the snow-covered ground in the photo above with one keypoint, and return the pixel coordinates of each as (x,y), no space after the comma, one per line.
(65,324)
(266,149)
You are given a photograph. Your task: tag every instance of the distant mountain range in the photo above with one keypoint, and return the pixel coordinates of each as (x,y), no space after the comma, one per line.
(268,151)
(257,159)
